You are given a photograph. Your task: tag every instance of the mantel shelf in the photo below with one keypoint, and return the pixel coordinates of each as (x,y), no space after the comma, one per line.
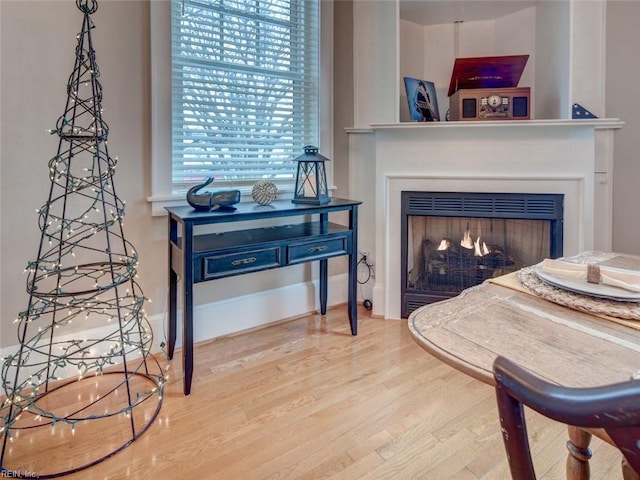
(595,123)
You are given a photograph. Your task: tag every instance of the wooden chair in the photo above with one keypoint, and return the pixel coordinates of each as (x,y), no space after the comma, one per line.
(613,408)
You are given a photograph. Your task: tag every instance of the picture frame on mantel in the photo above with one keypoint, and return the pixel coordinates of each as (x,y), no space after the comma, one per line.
(422,99)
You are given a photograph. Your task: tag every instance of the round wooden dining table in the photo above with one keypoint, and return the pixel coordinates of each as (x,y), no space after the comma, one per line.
(557,343)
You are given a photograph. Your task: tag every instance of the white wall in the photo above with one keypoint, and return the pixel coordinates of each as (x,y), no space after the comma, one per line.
(588,51)
(552,44)
(412,61)
(428,52)
(564,39)
(375,62)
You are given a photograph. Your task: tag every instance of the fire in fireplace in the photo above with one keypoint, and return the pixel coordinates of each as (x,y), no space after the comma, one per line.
(453,241)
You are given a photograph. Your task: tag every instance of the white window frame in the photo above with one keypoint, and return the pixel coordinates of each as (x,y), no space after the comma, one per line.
(161,165)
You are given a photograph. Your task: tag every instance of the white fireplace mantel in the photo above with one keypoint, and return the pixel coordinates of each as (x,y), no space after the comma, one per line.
(569,157)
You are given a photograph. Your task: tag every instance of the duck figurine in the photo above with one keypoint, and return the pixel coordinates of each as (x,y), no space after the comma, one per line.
(206,201)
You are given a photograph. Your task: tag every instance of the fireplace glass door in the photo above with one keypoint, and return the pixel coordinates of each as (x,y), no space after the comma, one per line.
(453,241)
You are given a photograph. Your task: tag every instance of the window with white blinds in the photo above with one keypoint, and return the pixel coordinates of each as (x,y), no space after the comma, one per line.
(245,86)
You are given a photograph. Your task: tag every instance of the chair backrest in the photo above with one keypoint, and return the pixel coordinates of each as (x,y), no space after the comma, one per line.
(614,408)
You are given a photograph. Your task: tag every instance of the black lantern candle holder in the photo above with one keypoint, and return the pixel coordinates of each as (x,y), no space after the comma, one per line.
(311,178)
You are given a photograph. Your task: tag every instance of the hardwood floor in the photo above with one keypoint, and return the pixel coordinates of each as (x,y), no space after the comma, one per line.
(303,399)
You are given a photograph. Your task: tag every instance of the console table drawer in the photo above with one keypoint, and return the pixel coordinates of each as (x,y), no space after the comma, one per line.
(217,266)
(317,249)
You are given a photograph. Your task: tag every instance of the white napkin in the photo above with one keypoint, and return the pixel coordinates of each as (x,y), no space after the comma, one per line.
(615,277)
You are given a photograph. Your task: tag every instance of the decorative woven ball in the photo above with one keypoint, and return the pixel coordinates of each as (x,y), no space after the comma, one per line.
(264,192)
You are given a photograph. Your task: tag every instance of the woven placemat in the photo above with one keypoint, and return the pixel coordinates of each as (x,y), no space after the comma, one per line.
(597,306)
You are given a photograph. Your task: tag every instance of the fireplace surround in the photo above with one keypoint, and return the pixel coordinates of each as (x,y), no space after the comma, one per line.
(566,157)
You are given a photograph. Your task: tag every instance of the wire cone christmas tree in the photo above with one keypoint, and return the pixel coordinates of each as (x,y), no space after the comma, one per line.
(92,396)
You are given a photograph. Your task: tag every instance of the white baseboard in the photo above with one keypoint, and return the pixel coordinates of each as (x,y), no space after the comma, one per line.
(240,313)
(250,311)
(378,297)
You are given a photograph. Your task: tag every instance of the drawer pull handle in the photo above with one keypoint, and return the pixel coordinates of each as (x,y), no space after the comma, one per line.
(243,261)
(323,248)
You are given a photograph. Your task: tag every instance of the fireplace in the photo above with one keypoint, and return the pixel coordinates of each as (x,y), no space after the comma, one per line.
(451,241)
(571,158)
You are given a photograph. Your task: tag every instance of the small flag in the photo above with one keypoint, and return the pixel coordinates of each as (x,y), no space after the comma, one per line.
(580,112)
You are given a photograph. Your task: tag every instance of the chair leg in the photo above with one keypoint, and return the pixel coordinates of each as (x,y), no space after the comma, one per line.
(627,472)
(514,436)
(579,454)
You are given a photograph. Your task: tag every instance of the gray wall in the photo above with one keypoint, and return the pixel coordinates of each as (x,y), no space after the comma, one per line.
(623,101)
(38,44)
(342,91)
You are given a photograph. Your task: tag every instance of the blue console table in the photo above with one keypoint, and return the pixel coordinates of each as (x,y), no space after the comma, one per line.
(203,257)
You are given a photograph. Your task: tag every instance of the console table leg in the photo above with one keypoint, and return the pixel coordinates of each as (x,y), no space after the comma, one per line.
(187,308)
(579,454)
(173,291)
(324,275)
(352,298)
(187,340)
(173,307)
